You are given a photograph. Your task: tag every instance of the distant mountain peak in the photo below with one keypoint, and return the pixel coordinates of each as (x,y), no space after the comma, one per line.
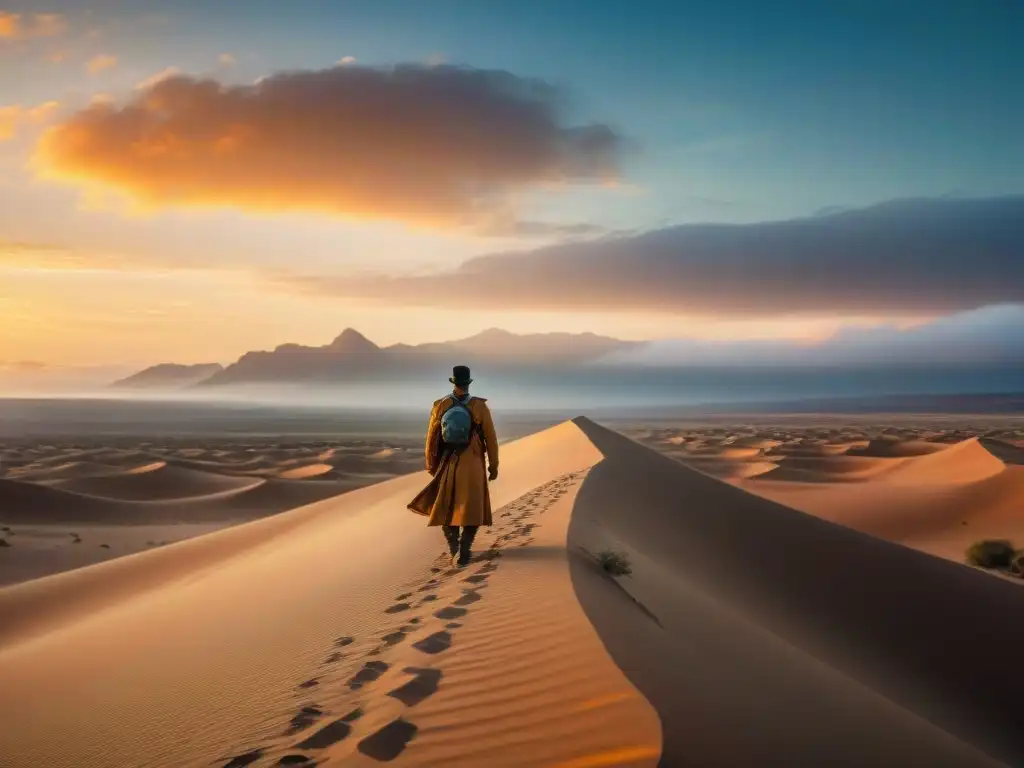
(351,340)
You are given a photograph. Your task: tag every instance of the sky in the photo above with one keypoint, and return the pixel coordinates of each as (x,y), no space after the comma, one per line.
(187,181)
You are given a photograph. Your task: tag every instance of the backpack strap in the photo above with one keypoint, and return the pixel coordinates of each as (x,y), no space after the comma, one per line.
(463,403)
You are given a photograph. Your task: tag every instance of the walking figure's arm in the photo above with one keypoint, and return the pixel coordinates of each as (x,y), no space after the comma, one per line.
(433,438)
(490,441)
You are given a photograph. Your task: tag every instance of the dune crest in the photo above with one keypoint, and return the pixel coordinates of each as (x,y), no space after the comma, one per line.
(157,481)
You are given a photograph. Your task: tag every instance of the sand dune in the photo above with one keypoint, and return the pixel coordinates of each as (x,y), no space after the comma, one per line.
(937,490)
(830,469)
(895,447)
(189,485)
(749,633)
(50,530)
(942,519)
(224,640)
(727,468)
(305,471)
(1005,450)
(820,645)
(156,481)
(48,472)
(29,503)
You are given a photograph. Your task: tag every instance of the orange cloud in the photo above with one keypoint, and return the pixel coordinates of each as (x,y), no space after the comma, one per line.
(101,62)
(432,146)
(14,116)
(15,26)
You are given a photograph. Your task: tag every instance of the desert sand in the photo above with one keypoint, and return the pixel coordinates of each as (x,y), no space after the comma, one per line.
(937,485)
(64,505)
(749,632)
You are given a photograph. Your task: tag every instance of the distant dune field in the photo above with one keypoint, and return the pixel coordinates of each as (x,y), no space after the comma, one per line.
(65,505)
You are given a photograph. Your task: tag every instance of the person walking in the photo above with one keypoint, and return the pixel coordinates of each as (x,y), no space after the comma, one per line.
(460,436)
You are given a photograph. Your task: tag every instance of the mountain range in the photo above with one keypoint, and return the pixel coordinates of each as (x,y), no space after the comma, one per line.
(169,375)
(979,341)
(353,357)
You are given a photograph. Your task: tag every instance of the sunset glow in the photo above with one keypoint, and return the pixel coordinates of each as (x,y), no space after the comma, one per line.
(178,184)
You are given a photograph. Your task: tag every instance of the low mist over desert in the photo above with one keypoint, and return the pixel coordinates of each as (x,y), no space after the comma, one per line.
(511,385)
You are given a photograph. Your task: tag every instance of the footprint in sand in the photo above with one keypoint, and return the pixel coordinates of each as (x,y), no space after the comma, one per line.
(341,642)
(398,608)
(331,733)
(390,741)
(468,597)
(295,760)
(311,683)
(429,598)
(478,578)
(243,760)
(424,684)
(334,657)
(304,719)
(393,638)
(452,625)
(451,612)
(371,671)
(435,643)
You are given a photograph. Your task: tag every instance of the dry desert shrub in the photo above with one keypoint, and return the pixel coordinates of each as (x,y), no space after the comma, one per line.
(614,563)
(991,553)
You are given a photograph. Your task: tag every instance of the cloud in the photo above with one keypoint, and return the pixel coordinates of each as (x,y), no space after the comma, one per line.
(344,61)
(101,62)
(226,60)
(53,258)
(29,256)
(23,366)
(153,79)
(431,146)
(525,228)
(13,117)
(904,258)
(16,26)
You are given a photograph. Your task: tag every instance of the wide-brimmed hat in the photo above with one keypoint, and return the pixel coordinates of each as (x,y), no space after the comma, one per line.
(460,376)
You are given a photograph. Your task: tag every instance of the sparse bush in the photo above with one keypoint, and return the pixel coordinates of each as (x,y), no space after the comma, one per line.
(614,563)
(991,553)
(1017,563)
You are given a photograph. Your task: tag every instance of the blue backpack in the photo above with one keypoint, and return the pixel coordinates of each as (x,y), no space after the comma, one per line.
(457,424)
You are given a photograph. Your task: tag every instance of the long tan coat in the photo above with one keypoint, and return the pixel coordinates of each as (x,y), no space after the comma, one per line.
(458,493)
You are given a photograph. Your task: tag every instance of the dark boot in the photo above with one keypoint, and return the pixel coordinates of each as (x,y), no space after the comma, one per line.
(466,545)
(451,533)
